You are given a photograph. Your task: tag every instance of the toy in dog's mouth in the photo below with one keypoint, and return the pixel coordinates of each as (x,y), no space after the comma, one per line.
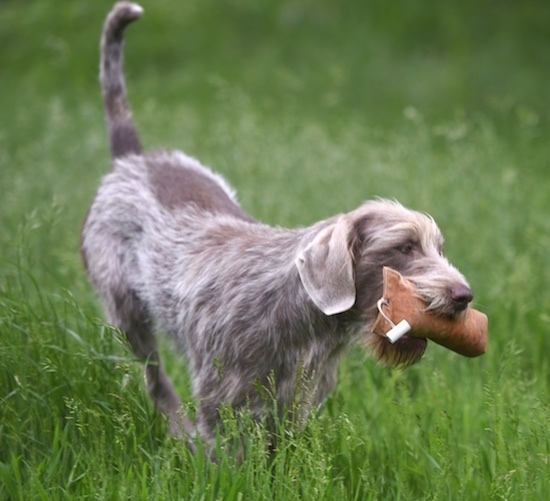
(405,324)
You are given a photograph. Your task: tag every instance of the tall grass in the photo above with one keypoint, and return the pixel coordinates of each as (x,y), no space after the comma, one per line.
(308,108)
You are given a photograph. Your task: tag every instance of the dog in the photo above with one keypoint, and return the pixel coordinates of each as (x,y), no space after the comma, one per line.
(256,310)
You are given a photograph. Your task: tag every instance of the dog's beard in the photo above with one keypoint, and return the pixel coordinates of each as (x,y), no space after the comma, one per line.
(403,353)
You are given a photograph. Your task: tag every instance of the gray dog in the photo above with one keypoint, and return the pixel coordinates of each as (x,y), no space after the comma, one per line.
(256,310)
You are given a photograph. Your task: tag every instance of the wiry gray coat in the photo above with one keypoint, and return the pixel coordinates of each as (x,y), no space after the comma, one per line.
(259,312)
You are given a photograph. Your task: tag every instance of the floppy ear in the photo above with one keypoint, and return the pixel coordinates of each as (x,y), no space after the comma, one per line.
(326,269)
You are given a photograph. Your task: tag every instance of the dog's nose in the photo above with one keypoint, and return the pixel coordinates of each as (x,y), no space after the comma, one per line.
(461,295)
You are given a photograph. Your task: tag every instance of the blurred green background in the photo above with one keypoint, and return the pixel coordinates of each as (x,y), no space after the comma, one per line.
(308,108)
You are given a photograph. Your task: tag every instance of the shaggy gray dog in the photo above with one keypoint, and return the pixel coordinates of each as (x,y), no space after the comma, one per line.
(256,310)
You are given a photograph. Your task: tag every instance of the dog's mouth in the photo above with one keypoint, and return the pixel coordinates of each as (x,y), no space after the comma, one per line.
(404,352)
(433,313)
(446,310)
(408,350)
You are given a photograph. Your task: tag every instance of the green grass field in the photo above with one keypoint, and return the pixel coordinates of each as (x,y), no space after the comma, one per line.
(442,105)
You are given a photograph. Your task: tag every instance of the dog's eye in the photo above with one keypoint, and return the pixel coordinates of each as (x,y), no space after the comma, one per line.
(407,248)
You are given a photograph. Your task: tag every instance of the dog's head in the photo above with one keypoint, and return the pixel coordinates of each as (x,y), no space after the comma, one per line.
(341,270)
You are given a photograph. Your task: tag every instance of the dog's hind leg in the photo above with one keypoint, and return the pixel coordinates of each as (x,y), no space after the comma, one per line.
(128,313)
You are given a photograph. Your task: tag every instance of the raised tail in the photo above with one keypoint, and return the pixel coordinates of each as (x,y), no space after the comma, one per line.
(123,136)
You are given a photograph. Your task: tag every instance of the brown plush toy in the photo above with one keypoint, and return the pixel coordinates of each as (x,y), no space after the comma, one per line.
(402,311)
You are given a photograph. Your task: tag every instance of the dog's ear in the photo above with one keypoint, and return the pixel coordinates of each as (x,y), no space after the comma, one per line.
(325,266)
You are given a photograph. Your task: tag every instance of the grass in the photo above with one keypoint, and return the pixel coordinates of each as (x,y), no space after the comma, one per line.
(444,108)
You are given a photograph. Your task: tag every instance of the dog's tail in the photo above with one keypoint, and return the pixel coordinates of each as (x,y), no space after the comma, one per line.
(123,136)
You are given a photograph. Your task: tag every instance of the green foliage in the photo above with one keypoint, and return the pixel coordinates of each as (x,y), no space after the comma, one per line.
(442,106)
